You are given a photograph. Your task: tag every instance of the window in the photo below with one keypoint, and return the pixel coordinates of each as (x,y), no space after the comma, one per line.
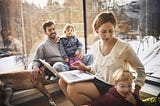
(138,24)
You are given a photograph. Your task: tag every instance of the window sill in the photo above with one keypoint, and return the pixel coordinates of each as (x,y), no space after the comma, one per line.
(149,90)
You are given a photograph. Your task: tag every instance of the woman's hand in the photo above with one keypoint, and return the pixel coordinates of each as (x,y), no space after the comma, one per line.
(79,65)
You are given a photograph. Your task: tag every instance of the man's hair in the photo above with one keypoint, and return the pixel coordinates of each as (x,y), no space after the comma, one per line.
(47,24)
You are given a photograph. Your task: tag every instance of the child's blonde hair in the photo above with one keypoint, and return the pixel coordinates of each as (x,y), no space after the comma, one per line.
(68,26)
(122,75)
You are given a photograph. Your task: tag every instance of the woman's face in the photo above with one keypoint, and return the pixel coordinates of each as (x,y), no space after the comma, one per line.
(124,88)
(106,31)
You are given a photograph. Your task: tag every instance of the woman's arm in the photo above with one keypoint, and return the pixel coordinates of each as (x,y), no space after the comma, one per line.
(132,58)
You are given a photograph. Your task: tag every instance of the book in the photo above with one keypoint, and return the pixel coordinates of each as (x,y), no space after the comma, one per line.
(69,76)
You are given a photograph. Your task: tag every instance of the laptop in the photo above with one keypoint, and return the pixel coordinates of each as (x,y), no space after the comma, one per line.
(69,76)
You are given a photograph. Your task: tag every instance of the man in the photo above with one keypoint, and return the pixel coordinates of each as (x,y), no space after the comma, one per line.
(49,51)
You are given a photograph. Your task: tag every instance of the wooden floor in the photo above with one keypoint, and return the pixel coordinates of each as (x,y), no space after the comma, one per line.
(60,100)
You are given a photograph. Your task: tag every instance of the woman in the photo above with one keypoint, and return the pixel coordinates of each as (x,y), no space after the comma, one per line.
(110,54)
(120,94)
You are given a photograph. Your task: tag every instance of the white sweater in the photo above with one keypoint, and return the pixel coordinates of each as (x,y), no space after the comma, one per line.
(121,56)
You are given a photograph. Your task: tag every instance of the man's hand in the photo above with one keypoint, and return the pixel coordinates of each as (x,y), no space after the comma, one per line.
(35,72)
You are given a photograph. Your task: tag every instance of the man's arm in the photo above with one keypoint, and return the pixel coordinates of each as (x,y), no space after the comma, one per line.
(36,63)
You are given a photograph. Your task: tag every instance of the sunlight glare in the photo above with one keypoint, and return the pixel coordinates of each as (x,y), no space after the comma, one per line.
(42,3)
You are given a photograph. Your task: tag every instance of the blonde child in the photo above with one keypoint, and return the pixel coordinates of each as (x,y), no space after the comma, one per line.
(120,94)
(70,46)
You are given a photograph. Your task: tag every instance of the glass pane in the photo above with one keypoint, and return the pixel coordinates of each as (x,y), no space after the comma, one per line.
(23,19)
(60,11)
(138,24)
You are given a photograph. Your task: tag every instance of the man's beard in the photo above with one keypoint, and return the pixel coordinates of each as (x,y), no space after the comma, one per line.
(53,35)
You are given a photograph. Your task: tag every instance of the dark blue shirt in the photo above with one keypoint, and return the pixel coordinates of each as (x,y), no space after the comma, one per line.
(69,45)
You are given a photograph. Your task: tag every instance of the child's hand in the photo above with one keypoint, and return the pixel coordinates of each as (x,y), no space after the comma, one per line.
(79,55)
(66,60)
(136,91)
(130,98)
